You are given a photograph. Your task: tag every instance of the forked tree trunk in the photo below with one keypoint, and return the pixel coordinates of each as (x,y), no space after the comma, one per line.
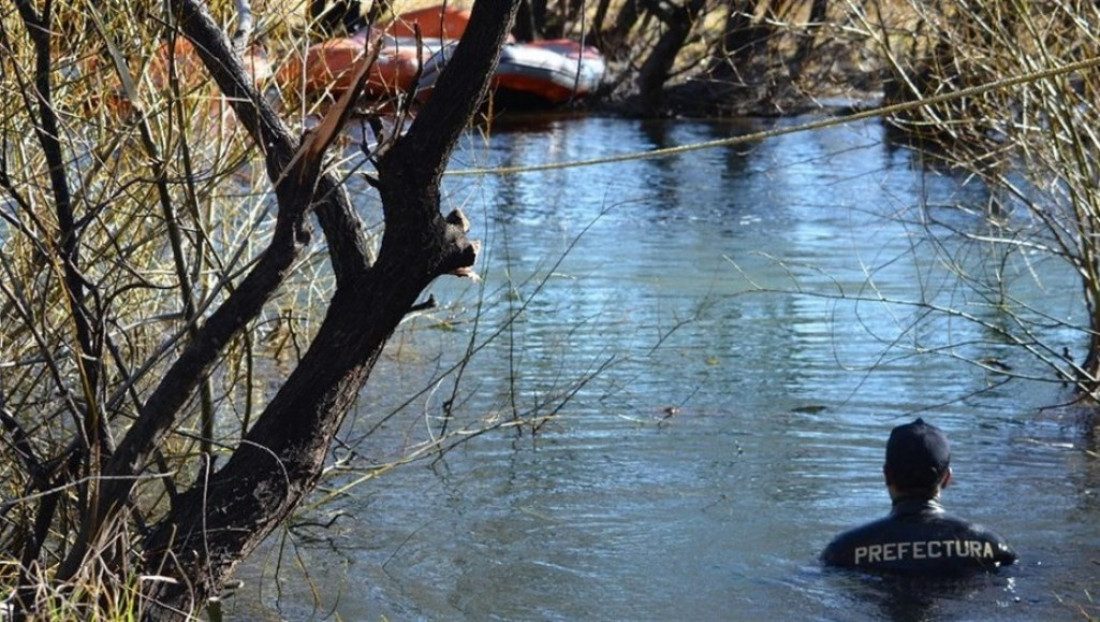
(226,515)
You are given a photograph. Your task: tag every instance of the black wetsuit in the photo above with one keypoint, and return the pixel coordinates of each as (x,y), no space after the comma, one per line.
(919,537)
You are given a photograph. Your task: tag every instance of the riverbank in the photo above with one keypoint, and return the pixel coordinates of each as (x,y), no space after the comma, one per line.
(794,65)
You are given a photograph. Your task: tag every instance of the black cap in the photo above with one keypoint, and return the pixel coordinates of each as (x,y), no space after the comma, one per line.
(917,455)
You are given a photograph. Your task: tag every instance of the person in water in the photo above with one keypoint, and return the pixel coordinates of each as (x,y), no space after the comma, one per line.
(918,536)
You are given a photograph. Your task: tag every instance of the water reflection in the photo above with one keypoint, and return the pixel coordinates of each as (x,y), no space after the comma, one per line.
(764,295)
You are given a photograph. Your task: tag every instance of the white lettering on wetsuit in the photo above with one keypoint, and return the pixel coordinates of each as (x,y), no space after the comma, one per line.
(931,549)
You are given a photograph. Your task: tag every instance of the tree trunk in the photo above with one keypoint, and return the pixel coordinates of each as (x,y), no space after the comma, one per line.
(655,71)
(613,40)
(597,22)
(744,38)
(328,18)
(525,29)
(226,514)
(818,11)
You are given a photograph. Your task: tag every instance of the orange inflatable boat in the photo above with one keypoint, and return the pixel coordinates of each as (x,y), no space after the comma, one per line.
(330,67)
(552,71)
(540,73)
(533,75)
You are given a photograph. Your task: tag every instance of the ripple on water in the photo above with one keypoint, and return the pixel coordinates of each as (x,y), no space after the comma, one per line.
(757,305)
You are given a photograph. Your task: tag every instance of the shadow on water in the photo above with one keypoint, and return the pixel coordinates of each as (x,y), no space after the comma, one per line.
(756,304)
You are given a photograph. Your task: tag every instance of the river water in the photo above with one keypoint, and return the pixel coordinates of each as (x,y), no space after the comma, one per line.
(725,338)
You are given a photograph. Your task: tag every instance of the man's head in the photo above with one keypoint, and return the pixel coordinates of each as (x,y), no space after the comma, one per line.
(918,459)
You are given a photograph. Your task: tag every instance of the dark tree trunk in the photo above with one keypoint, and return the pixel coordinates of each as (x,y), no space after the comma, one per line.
(613,40)
(525,29)
(574,8)
(597,22)
(818,10)
(327,18)
(540,12)
(227,513)
(656,69)
(533,21)
(744,39)
(292,233)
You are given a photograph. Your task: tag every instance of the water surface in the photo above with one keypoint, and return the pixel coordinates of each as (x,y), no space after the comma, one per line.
(737,330)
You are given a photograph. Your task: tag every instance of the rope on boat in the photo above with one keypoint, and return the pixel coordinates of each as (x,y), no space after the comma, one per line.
(804,127)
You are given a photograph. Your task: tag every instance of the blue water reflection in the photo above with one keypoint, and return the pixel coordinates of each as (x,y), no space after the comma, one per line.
(757,309)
